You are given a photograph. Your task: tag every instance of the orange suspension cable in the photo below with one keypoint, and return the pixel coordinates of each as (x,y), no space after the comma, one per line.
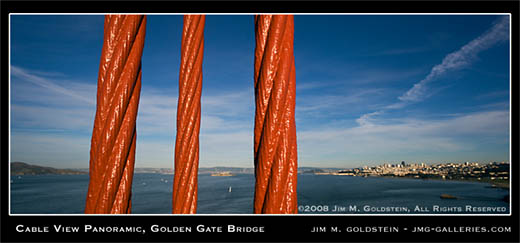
(112,151)
(275,153)
(188,116)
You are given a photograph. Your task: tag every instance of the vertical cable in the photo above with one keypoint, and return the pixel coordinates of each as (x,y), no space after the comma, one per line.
(275,152)
(112,151)
(188,116)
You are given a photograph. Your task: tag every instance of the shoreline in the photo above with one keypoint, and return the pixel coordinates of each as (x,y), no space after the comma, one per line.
(501,184)
(494,184)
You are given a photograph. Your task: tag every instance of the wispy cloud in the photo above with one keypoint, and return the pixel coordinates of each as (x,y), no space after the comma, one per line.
(324,103)
(225,135)
(410,139)
(234,103)
(48,108)
(220,112)
(42,118)
(319,97)
(157,110)
(461,58)
(45,101)
(365,119)
(39,80)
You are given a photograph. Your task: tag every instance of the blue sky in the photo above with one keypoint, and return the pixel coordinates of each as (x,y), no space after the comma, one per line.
(371,89)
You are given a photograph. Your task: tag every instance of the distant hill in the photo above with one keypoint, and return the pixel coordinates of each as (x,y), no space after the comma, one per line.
(21,168)
(234,170)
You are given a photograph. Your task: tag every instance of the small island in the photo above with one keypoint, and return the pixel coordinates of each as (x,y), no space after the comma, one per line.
(21,168)
(225,173)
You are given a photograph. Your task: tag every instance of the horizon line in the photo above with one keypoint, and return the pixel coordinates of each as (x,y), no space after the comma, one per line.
(324,167)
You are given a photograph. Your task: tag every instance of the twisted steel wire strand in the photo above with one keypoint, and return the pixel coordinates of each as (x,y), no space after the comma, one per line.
(275,150)
(188,116)
(112,152)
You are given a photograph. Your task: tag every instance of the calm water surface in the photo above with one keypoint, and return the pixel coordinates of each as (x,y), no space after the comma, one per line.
(151,194)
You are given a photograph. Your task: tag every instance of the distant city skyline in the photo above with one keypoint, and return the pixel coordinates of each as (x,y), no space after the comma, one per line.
(371,89)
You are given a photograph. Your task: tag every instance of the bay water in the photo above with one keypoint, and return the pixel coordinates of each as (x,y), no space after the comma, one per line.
(317,194)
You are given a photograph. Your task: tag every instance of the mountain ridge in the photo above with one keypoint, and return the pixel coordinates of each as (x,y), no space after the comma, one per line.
(22,168)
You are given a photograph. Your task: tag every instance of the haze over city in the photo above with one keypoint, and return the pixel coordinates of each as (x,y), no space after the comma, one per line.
(371,89)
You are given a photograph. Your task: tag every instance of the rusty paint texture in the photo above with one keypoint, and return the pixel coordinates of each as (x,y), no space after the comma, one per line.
(112,152)
(188,116)
(275,153)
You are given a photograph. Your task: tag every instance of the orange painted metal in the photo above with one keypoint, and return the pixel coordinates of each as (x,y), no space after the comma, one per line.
(112,152)
(275,152)
(188,116)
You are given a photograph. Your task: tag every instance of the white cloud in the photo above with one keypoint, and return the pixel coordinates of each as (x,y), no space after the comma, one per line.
(51,111)
(40,103)
(48,117)
(315,105)
(157,112)
(225,135)
(26,75)
(460,58)
(219,112)
(464,133)
(28,93)
(238,104)
(365,120)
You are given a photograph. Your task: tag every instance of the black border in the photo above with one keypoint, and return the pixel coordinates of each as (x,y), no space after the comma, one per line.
(278,228)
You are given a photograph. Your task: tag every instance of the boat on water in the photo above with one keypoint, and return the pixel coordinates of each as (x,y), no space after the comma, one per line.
(229,189)
(448,196)
(225,173)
